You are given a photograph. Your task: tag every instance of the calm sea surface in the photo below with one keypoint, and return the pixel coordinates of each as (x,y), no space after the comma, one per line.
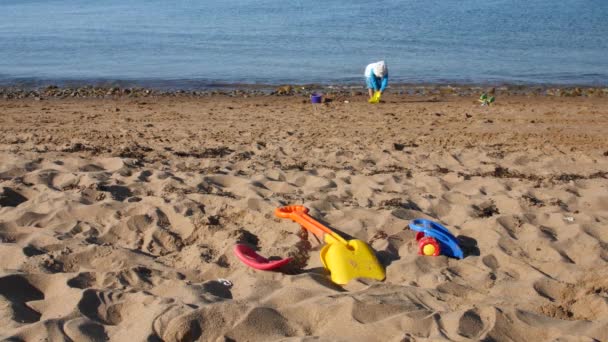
(200,43)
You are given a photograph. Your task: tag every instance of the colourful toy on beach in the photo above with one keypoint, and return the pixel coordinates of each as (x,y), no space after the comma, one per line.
(486,100)
(345,260)
(375,98)
(254,260)
(435,239)
(316,98)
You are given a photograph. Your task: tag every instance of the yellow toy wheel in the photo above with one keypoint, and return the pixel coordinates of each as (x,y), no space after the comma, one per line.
(428,246)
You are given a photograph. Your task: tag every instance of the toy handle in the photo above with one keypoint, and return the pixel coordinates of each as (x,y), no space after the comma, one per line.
(299,214)
(424,225)
(421,224)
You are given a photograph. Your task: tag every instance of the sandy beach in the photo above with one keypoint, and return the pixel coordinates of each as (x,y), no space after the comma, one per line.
(118,217)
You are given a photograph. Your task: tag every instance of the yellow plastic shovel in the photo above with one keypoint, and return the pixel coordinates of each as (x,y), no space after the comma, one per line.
(376,97)
(345,260)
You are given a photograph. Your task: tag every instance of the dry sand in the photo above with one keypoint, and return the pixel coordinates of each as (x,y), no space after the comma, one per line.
(118,217)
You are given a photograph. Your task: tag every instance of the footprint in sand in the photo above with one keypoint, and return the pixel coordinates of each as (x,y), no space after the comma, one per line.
(30,250)
(510,247)
(440,209)
(548,233)
(102,307)
(152,232)
(476,323)
(15,292)
(144,176)
(470,324)
(118,192)
(491,262)
(83,280)
(82,329)
(511,224)
(549,289)
(10,198)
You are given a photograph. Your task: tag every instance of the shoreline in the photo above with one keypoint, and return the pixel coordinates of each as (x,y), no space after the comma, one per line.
(249,90)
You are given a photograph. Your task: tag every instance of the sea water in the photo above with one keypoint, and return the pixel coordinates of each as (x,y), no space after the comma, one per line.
(187,43)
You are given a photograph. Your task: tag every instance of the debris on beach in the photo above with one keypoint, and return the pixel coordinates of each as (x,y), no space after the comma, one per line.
(486,99)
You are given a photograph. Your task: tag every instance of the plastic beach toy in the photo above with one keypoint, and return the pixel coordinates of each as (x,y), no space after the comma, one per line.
(376,97)
(486,100)
(252,259)
(316,98)
(345,260)
(434,239)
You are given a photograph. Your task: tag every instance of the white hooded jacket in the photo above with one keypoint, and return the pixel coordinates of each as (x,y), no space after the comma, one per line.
(377,69)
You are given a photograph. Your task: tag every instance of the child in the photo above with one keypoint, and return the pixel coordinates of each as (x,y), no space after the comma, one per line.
(376,77)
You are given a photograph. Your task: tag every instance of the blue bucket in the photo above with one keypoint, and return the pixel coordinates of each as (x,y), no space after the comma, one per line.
(316,98)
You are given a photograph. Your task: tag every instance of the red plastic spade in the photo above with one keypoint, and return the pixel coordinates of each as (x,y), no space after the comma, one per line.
(254,260)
